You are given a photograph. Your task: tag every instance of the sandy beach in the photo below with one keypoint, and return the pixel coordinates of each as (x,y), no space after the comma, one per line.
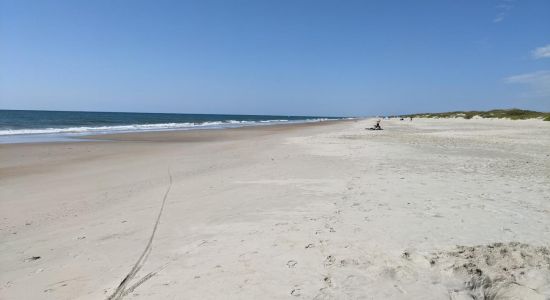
(428,209)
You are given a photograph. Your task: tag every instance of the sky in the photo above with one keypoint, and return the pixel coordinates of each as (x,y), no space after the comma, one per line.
(286,57)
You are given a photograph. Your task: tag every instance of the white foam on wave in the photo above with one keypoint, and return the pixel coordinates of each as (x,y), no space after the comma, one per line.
(146,127)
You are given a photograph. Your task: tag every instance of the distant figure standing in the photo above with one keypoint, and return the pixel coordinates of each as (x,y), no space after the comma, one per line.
(411,119)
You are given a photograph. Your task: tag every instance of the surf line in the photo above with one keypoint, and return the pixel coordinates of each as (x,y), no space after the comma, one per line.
(121,290)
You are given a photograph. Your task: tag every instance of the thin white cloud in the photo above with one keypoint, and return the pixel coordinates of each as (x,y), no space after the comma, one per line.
(541,52)
(538,83)
(499,18)
(503,9)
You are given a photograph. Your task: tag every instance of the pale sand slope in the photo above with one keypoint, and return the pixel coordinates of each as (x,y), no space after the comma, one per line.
(325,212)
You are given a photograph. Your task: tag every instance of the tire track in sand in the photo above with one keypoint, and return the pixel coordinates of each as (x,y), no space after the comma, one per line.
(121,290)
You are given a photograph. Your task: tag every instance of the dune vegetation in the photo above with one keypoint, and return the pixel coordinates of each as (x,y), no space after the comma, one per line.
(513,114)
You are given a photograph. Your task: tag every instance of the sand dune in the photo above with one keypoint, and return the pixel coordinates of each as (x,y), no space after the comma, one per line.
(428,209)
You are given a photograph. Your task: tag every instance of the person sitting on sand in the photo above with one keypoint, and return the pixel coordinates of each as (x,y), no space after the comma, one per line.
(376,127)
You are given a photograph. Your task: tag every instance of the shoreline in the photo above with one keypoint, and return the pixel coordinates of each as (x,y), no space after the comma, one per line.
(321,211)
(80,137)
(200,135)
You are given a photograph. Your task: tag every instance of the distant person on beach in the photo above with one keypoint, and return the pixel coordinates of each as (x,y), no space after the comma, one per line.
(376,127)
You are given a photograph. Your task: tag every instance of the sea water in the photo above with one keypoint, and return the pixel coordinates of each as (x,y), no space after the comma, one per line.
(18,126)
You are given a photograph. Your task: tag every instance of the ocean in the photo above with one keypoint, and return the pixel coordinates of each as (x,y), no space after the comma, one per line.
(38,126)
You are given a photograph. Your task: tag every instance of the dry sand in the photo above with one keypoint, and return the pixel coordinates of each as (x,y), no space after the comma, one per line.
(429,209)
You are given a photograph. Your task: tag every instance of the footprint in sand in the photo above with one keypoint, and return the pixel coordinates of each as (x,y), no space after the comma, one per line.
(329,260)
(296,292)
(291,263)
(327,281)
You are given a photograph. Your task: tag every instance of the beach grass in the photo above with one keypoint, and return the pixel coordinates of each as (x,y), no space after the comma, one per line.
(513,114)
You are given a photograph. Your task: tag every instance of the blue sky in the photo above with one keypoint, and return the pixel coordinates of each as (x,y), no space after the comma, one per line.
(275,57)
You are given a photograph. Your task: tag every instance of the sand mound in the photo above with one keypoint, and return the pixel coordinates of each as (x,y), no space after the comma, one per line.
(498,271)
